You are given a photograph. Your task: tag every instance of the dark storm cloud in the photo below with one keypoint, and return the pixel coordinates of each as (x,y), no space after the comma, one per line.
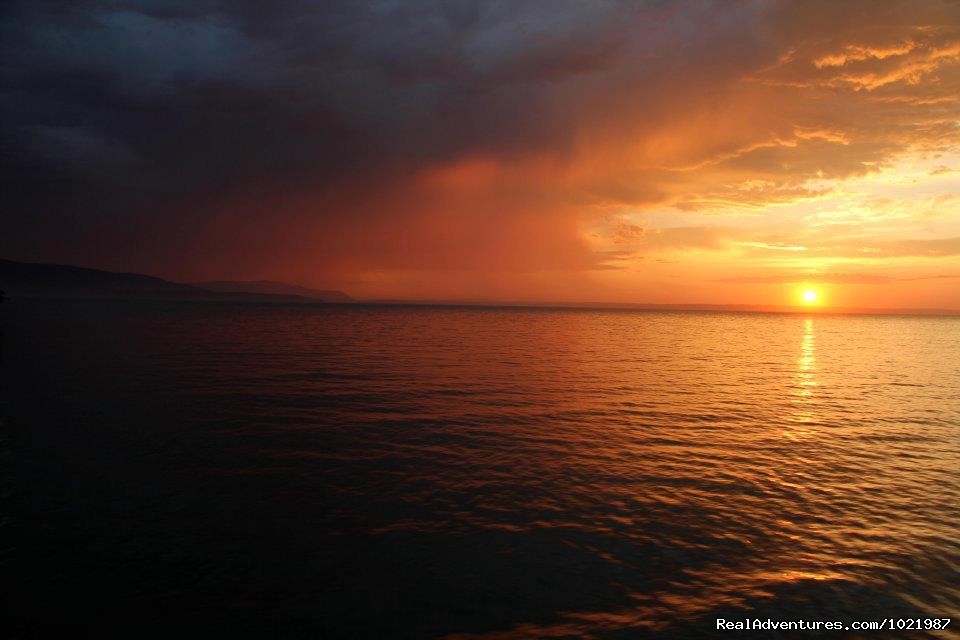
(282,88)
(183,91)
(126,116)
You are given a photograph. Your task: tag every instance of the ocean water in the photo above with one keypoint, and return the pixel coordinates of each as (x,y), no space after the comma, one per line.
(437,472)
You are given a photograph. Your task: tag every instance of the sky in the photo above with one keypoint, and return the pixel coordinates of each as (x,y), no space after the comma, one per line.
(734,152)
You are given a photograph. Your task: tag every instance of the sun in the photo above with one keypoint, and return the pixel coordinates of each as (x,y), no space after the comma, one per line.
(810,296)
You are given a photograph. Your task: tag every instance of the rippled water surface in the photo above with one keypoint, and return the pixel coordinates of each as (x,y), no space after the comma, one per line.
(427,472)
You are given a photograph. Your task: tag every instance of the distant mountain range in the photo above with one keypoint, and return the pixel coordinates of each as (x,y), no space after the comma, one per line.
(273,288)
(24,279)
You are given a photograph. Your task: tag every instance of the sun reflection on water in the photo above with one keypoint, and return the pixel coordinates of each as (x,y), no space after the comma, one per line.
(805,383)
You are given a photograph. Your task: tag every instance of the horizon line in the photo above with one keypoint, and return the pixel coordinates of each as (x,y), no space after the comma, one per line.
(553,304)
(664,306)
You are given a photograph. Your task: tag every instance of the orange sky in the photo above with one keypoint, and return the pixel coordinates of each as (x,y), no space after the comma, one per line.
(833,161)
(734,153)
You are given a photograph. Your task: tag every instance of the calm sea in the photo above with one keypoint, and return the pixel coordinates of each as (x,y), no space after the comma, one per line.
(425,472)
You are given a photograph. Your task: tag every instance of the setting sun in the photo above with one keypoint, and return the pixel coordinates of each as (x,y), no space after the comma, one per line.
(809,296)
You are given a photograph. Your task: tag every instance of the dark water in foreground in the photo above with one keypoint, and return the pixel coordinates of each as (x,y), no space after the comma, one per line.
(351,472)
